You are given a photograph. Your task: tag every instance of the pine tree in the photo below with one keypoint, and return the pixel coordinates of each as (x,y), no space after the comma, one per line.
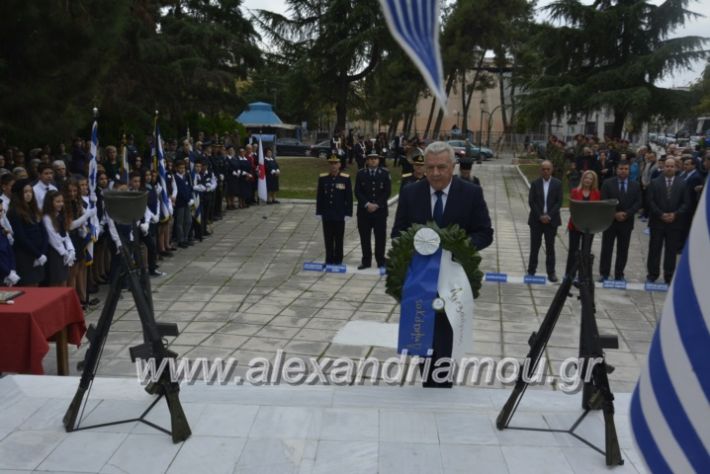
(610,54)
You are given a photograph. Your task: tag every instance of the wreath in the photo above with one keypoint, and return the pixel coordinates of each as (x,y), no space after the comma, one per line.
(453,238)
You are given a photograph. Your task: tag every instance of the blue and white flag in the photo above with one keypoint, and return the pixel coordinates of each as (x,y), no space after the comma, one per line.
(670,408)
(94,225)
(166,207)
(415,26)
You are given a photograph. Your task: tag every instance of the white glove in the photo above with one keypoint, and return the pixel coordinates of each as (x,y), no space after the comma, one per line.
(273,171)
(41,260)
(221,177)
(199,188)
(154,218)
(12,278)
(278,171)
(144,228)
(234,173)
(68,259)
(191,203)
(91,212)
(11,239)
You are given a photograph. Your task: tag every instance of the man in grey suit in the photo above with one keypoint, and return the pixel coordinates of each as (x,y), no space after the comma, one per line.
(628,193)
(668,201)
(545,200)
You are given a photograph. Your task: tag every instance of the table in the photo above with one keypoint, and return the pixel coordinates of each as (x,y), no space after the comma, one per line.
(36,317)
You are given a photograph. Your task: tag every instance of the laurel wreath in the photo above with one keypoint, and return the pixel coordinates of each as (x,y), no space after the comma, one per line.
(453,238)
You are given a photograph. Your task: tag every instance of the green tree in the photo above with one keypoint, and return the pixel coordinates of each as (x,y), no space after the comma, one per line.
(54,59)
(610,54)
(701,91)
(331,44)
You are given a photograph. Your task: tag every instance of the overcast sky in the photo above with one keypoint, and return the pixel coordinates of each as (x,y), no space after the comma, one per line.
(699,27)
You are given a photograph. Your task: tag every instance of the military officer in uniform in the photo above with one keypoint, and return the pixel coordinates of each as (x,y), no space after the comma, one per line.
(417,174)
(334,205)
(465,172)
(372,189)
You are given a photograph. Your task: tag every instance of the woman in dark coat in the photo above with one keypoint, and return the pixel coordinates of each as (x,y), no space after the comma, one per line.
(31,241)
(231,178)
(272,177)
(246,177)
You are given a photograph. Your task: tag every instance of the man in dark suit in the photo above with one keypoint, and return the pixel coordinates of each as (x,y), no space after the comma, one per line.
(418,173)
(545,200)
(668,201)
(373,185)
(334,205)
(628,193)
(446,200)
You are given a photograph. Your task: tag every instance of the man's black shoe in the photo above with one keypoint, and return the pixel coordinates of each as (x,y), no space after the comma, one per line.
(602,279)
(183,246)
(552,278)
(363,266)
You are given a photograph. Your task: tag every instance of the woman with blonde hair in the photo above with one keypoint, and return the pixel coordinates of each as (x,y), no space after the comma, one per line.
(587,190)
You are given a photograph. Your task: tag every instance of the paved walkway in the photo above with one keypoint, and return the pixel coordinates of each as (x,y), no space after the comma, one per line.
(242,293)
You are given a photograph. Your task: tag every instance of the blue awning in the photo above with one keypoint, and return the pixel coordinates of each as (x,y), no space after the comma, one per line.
(259,114)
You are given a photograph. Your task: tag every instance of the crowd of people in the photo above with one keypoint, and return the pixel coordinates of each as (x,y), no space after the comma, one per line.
(55,228)
(660,191)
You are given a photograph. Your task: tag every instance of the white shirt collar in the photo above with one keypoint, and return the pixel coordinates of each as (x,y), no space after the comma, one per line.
(445,190)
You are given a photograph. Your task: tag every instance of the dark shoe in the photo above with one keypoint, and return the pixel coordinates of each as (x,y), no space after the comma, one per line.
(603,278)
(276,201)
(651,279)
(363,266)
(668,279)
(531,273)
(619,278)
(552,278)
(93,302)
(92,289)
(156,273)
(183,246)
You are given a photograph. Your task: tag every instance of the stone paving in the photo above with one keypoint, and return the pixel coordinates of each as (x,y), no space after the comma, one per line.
(242,293)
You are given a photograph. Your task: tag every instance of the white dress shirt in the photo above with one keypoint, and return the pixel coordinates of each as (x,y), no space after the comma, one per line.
(545,190)
(40,190)
(444,196)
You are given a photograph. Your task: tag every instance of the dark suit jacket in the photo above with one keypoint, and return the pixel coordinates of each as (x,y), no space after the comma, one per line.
(630,202)
(536,200)
(375,189)
(659,203)
(696,179)
(465,206)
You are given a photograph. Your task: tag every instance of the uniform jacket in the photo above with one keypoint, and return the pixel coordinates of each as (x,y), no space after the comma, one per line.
(375,189)
(334,198)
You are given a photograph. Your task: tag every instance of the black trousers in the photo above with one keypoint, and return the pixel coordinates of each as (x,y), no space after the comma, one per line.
(218,198)
(621,234)
(151,246)
(442,345)
(668,237)
(537,231)
(333,233)
(366,224)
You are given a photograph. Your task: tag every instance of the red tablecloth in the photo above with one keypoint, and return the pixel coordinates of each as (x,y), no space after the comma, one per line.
(36,316)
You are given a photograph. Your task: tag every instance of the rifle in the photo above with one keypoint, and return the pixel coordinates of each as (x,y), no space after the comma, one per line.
(590,218)
(120,205)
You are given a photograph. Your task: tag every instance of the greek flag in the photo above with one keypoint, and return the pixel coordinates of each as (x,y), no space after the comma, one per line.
(670,413)
(261,185)
(93,168)
(415,26)
(166,207)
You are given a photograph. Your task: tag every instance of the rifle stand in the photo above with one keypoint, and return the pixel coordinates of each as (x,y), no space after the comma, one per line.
(119,205)
(596,393)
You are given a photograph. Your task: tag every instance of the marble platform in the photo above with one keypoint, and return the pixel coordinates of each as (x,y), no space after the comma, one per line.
(307,429)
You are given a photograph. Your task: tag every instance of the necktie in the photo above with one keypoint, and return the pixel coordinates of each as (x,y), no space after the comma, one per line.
(623,187)
(669,184)
(439,209)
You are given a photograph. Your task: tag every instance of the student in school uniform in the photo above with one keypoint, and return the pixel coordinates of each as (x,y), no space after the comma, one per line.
(61,250)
